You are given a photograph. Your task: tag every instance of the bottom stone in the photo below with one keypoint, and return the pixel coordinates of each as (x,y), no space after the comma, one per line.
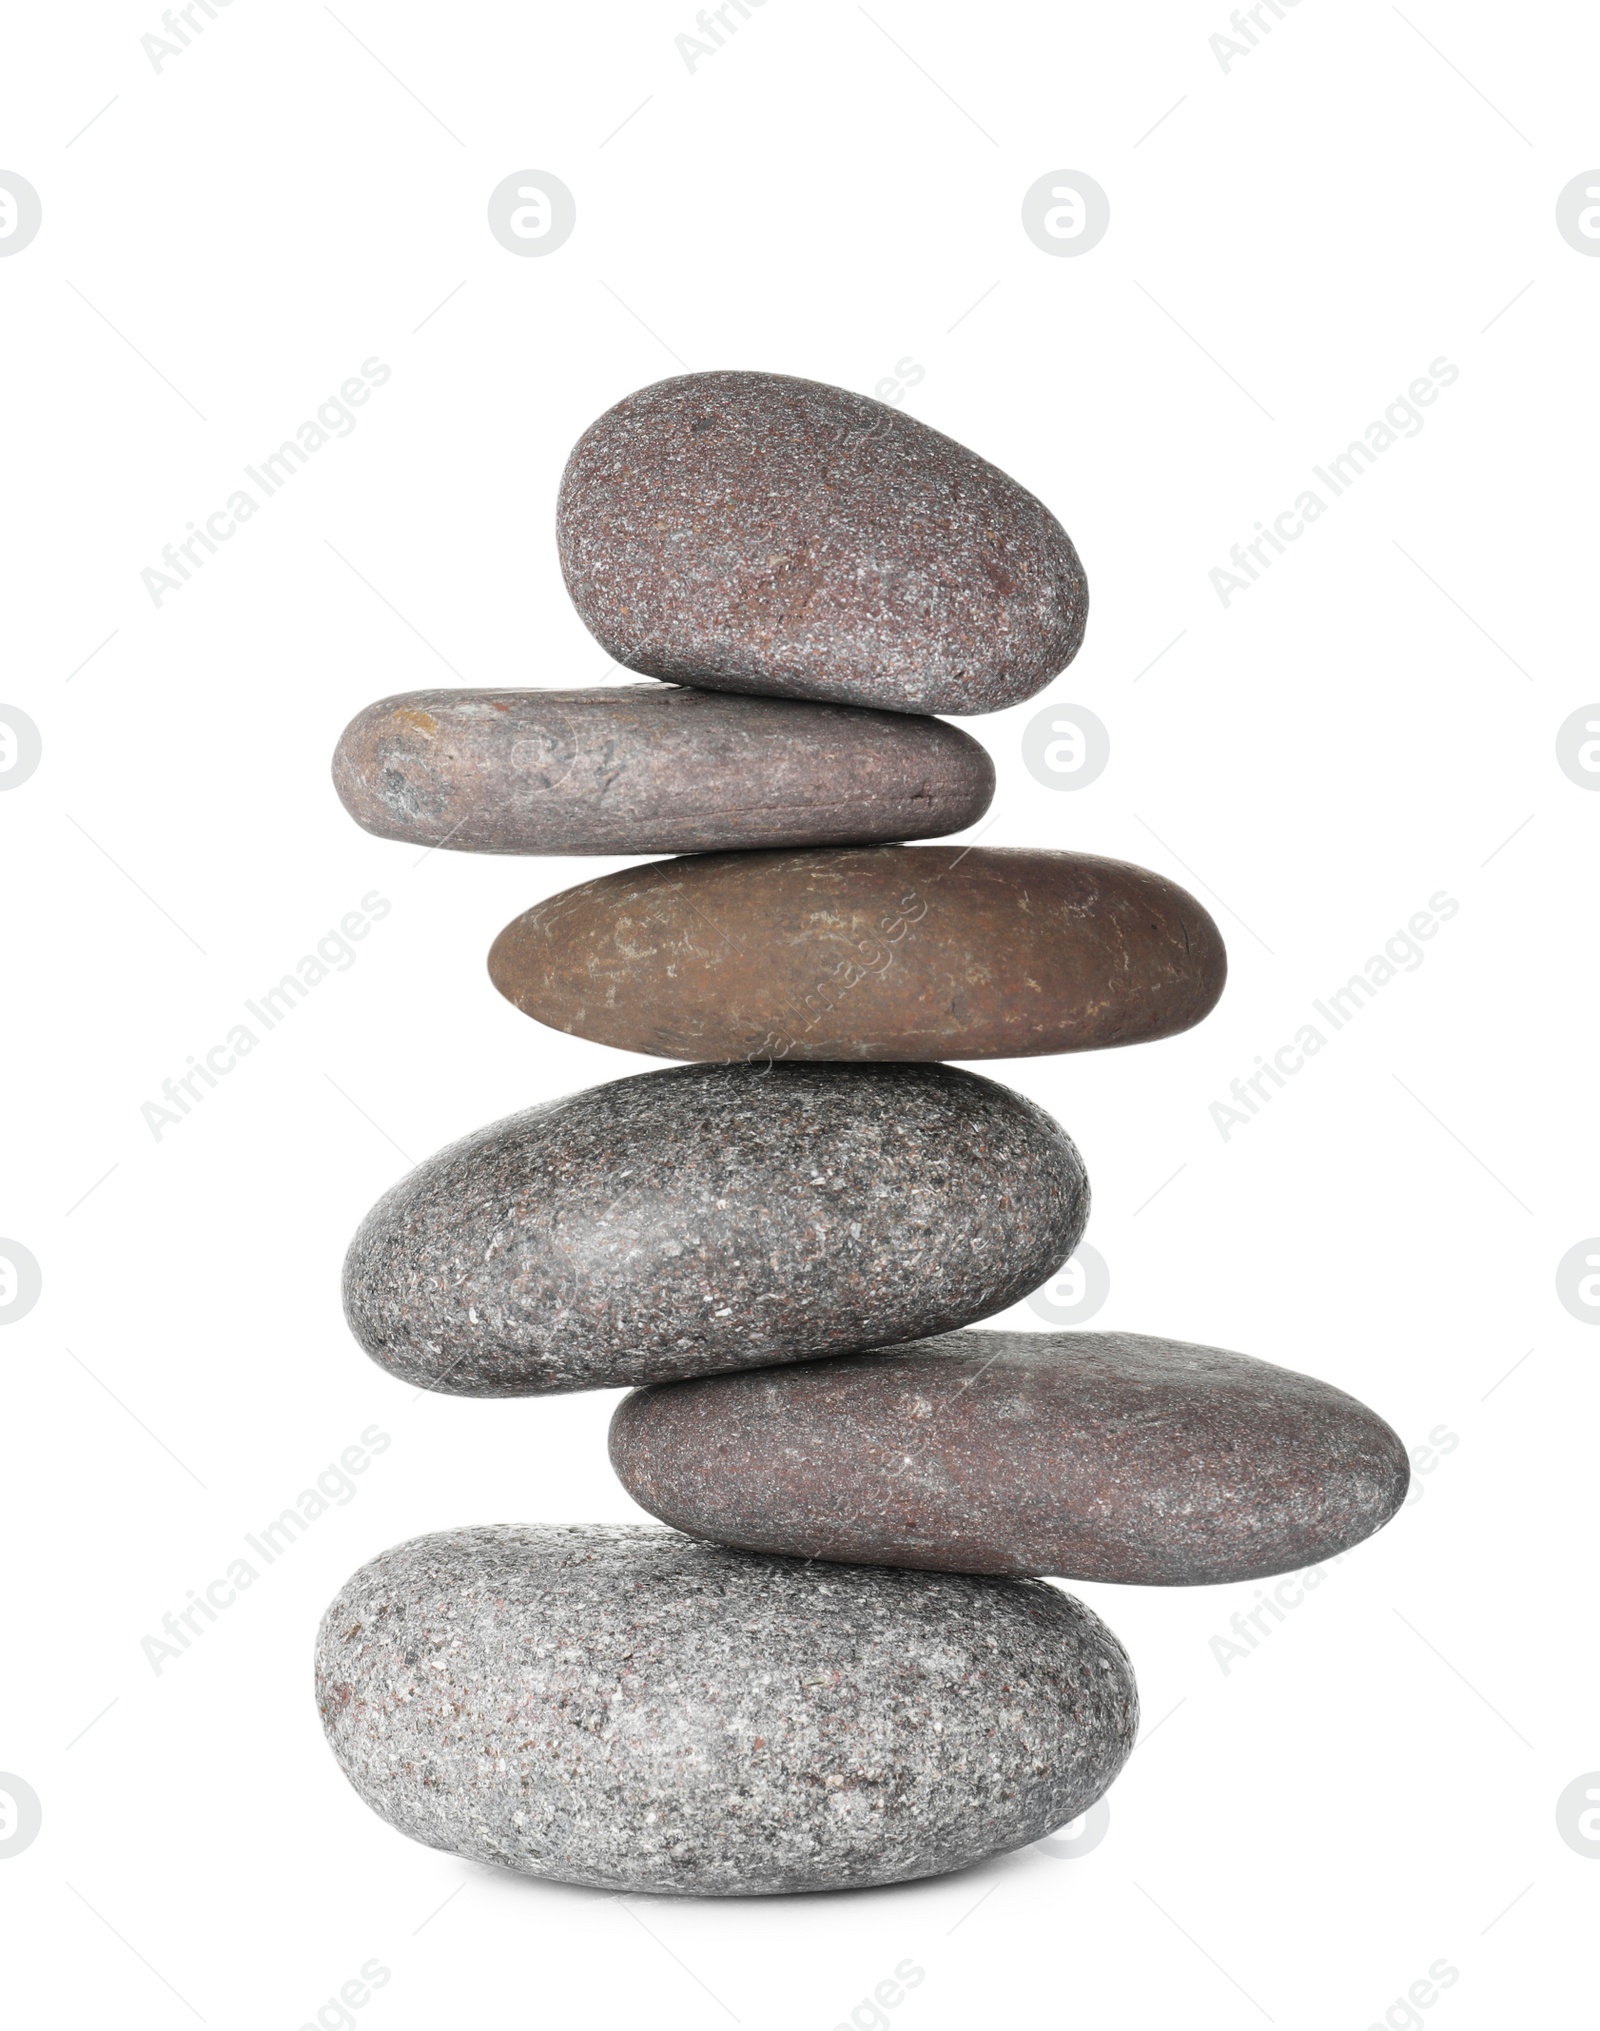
(632,1710)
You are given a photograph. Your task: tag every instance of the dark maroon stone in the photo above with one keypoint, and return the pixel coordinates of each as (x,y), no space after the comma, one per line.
(753,532)
(648,768)
(1091,1456)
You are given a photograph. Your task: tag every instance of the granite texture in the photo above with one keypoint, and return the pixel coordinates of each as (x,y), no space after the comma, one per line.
(752,532)
(648,768)
(875,952)
(1094,1456)
(627,1709)
(713,1217)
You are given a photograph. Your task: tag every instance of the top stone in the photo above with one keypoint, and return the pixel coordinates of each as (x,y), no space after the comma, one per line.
(753,532)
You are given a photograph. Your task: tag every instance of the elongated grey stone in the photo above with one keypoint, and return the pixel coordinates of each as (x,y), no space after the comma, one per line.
(713,1217)
(1095,1456)
(647,768)
(752,532)
(627,1709)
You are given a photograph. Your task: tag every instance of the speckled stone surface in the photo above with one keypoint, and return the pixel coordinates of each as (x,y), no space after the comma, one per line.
(647,768)
(1094,1456)
(877,952)
(752,532)
(713,1217)
(630,1710)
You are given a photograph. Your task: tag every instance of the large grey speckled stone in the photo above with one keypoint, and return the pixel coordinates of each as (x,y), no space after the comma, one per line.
(1095,1456)
(753,532)
(651,768)
(713,1217)
(627,1709)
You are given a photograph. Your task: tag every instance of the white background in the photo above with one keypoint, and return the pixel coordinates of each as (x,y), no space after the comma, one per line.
(1367,1793)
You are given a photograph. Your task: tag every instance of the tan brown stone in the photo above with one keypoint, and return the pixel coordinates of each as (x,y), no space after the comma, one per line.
(886,952)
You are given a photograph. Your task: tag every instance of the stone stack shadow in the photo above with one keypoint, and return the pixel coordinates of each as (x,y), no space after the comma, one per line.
(843,1664)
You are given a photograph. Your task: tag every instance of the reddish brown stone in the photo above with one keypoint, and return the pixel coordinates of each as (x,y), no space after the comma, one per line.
(650,768)
(1092,1456)
(753,532)
(885,952)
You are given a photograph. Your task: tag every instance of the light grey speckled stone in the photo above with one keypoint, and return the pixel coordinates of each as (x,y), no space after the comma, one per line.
(630,1710)
(713,1217)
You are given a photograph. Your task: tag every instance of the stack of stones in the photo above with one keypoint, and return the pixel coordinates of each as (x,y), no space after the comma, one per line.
(842,1664)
